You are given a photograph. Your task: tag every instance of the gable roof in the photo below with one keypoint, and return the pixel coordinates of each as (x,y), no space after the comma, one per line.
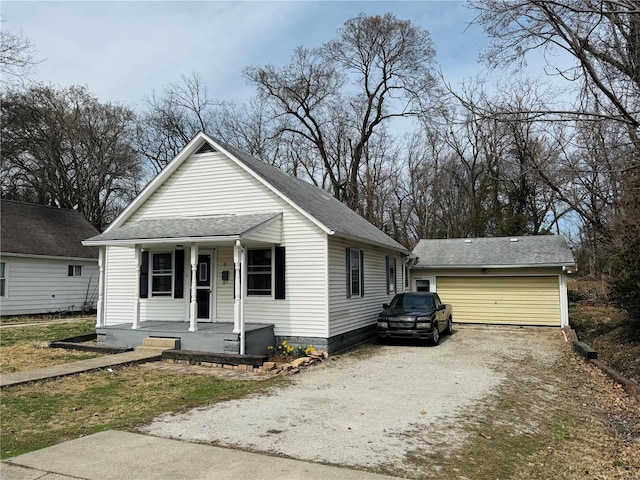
(320,207)
(502,252)
(30,229)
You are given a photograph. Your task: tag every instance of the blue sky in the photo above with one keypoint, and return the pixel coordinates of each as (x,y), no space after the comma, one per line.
(123,50)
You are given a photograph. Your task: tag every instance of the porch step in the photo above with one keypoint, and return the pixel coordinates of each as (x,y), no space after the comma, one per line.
(159,344)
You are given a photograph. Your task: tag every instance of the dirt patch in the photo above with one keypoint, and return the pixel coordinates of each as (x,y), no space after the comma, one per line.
(609,331)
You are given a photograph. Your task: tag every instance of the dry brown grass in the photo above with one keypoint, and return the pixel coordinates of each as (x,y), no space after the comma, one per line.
(29,356)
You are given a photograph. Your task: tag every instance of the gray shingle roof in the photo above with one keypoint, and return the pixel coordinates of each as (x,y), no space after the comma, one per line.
(544,250)
(31,229)
(322,206)
(186,227)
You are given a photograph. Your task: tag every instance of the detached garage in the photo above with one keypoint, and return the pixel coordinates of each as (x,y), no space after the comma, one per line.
(503,280)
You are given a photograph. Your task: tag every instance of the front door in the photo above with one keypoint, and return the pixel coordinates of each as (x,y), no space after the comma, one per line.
(204,287)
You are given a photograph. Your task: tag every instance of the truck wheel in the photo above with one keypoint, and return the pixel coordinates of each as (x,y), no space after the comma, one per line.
(436,335)
(449,329)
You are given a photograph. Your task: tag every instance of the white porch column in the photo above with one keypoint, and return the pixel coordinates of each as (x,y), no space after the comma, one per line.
(243,263)
(237,288)
(100,321)
(136,308)
(193,306)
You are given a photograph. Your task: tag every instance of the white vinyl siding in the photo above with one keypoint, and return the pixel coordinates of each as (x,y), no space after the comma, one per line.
(224,291)
(502,299)
(120,285)
(346,314)
(42,285)
(212,184)
(163,309)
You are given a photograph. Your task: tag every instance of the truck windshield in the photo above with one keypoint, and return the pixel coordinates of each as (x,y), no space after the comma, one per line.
(412,301)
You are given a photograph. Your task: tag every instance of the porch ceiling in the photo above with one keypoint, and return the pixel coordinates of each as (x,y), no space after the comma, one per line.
(190,229)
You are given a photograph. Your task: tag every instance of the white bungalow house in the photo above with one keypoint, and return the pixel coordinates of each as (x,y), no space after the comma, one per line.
(43,266)
(230,254)
(501,280)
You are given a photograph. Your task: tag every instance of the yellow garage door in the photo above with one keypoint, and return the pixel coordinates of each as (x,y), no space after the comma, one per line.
(502,300)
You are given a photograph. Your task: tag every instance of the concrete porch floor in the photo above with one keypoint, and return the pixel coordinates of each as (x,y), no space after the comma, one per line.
(210,337)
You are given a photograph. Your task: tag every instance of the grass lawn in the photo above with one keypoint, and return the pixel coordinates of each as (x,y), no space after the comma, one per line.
(26,348)
(45,413)
(38,415)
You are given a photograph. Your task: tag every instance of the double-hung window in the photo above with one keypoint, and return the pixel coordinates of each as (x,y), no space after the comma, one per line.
(391,274)
(259,268)
(74,271)
(161,275)
(355,272)
(3,279)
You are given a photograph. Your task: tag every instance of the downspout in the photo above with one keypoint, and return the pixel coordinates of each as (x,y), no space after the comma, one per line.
(409,262)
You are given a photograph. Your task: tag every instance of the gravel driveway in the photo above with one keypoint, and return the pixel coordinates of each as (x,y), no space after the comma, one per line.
(369,409)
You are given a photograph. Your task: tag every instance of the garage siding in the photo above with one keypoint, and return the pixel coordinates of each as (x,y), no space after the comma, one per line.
(502,300)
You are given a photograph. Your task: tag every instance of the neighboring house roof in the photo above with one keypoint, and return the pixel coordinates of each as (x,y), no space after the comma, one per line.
(29,229)
(187,227)
(501,252)
(322,208)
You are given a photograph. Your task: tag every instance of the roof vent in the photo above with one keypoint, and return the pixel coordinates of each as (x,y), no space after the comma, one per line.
(205,148)
(514,239)
(468,240)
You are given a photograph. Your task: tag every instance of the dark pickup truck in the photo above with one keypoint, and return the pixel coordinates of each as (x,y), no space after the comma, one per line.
(418,315)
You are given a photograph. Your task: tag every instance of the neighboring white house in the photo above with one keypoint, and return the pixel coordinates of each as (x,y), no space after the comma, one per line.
(43,266)
(502,280)
(218,236)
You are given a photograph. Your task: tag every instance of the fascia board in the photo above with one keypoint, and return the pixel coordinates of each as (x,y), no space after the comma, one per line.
(459,267)
(160,241)
(48,257)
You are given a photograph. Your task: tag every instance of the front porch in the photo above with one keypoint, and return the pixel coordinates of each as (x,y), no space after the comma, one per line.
(209,337)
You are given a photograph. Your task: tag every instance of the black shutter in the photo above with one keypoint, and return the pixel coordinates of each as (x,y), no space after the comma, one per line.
(348,265)
(361,273)
(178,290)
(144,275)
(280,280)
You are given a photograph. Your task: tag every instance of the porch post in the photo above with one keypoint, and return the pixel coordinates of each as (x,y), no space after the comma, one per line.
(193,306)
(243,263)
(237,259)
(100,322)
(136,309)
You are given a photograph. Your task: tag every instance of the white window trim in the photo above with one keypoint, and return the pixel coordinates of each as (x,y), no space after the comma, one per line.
(6,279)
(74,270)
(392,264)
(169,294)
(271,273)
(358,264)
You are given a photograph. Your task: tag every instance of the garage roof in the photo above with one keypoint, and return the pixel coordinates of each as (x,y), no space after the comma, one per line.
(496,252)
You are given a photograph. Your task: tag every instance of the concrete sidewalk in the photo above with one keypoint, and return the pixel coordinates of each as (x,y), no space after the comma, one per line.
(114,455)
(138,356)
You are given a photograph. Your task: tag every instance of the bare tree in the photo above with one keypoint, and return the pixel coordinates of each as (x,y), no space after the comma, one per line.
(602,36)
(16,57)
(174,118)
(61,147)
(336,97)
